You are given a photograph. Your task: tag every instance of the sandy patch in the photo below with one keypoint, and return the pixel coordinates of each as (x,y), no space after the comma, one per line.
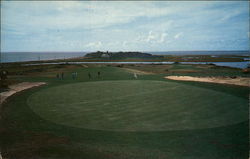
(241,81)
(138,71)
(17,88)
(85,66)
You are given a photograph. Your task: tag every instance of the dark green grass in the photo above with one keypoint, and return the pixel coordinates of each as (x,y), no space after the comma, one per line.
(24,134)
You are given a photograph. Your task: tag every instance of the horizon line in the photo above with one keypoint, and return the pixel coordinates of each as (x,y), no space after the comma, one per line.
(112,51)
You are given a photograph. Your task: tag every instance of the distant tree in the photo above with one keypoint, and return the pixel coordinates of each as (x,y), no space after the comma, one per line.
(3,79)
(3,74)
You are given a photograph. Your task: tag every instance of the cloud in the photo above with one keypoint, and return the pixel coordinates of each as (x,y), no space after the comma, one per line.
(128,25)
(178,35)
(76,14)
(124,43)
(162,39)
(94,45)
(152,37)
(230,15)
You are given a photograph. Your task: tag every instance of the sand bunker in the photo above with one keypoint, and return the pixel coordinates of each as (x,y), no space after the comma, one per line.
(241,81)
(17,88)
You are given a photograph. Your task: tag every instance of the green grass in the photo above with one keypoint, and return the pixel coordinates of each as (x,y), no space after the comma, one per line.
(137,105)
(183,66)
(219,126)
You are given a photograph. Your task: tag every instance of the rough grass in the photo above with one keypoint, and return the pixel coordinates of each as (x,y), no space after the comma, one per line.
(189,70)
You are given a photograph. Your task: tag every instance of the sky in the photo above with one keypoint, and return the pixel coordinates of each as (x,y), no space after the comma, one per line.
(124,25)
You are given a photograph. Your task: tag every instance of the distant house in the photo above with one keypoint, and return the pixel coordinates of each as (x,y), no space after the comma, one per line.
(105,55)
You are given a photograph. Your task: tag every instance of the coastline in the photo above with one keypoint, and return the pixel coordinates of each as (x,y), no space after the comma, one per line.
(234,61)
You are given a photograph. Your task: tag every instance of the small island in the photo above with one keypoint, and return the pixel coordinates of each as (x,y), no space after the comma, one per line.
(122,55)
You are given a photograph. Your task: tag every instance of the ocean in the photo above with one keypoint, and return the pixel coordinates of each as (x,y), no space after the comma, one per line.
(37,56)
(240,52)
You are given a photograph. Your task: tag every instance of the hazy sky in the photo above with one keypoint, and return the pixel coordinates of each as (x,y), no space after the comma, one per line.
(128,25)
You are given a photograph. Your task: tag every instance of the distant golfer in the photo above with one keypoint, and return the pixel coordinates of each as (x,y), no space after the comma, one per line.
(135,75)
(89,75)
(62,75)
(76,74)
(73,75)
(99,74)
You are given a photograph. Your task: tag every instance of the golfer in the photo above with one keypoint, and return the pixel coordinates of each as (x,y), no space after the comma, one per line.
(73,75)
(62,75)
(135,75)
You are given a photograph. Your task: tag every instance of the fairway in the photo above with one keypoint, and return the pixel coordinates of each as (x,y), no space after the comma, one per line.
(137,105)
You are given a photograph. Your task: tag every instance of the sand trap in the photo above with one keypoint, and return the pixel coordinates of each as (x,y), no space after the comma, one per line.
(17,88)
(241,81)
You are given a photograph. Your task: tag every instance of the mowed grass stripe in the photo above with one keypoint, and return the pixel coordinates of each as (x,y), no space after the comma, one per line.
(123,104)
(137,105)
(128,107)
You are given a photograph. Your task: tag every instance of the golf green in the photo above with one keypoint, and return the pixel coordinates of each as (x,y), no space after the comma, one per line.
(137,105)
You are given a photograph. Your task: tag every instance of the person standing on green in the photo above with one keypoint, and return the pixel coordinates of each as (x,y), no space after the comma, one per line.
(99,74)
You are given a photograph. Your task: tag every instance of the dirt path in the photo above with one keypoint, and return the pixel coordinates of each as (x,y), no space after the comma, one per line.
(137,71)
(17,88)
(241,81)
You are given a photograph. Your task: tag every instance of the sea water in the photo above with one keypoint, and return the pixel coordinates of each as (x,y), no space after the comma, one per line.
(37,56)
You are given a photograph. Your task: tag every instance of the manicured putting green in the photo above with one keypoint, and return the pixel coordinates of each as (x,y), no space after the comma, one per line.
(137,105)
